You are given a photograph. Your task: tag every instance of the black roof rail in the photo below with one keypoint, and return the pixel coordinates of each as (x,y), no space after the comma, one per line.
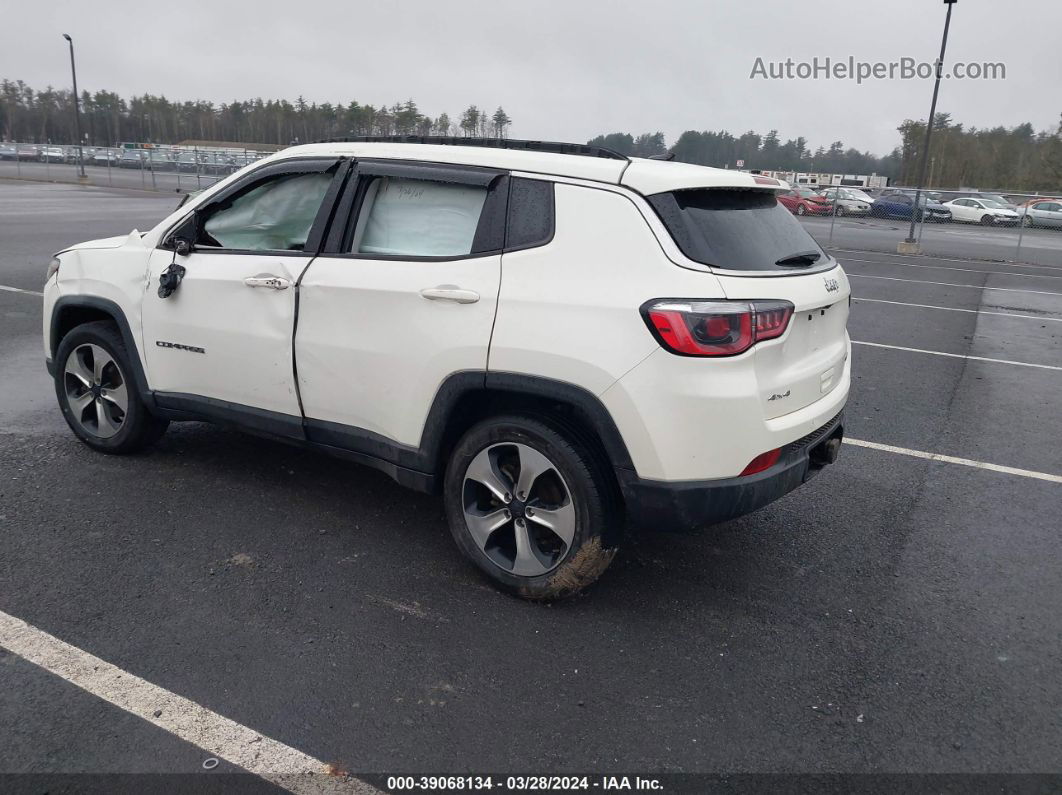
(492,143)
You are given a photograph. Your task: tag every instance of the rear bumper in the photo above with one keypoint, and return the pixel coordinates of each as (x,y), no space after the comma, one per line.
(682,506)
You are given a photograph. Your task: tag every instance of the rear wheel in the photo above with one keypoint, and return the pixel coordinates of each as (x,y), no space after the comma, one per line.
(96,392)
(1027,221)
(532,508)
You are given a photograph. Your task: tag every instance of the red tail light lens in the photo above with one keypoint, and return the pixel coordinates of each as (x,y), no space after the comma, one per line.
(715,328)
(762,462)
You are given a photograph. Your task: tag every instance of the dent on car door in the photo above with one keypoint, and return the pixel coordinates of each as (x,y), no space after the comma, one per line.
(403,296)
(219,325)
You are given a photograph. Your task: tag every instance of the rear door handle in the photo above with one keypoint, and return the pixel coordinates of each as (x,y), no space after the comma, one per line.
(448,292)
(268,280)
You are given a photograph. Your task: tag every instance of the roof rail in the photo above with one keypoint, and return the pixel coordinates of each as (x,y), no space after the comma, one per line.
(492,143)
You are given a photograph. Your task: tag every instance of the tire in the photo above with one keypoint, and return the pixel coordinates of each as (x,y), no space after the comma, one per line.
(1027,221)
(839,212)
(92,361)
(570,482)
(801,209)
(987,220)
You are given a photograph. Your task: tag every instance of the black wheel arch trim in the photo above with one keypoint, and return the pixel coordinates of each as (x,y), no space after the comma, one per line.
(111,309)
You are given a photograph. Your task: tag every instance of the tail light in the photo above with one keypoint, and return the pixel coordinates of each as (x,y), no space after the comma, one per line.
(715,328)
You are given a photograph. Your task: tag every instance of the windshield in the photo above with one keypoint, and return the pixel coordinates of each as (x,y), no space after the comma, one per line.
(992,198)
(993,204)
(740,230)
(857,195)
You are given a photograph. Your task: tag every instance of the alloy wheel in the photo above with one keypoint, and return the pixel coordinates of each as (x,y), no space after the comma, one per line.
(518,509)
(95,390)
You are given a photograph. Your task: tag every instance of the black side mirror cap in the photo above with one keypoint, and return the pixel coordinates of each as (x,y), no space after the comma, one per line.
(182,246)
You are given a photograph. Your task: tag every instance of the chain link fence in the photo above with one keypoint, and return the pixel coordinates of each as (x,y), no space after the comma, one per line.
(139,166)
(842,211)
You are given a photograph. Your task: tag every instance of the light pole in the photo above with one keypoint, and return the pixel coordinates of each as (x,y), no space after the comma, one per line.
(77,109)
(910,241)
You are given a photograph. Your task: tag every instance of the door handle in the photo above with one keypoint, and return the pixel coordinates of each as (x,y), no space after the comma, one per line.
(268,280)
(448,292)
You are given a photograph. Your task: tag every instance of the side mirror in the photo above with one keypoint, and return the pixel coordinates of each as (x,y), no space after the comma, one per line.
(182,246)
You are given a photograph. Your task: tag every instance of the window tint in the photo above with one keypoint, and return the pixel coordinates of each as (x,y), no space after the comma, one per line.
(737,230)
(275,214)
(418,218)
(531,213)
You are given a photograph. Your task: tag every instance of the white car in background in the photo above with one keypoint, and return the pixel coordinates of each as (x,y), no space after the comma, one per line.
(981,211)
(1042,213)
(849,201)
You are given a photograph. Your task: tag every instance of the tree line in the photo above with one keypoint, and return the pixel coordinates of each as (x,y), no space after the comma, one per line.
(1014,158)
(47,116)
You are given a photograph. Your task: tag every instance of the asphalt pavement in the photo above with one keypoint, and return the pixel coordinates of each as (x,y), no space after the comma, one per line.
(895,614)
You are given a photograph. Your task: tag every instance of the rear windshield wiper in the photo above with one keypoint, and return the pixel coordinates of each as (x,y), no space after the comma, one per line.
(801,260)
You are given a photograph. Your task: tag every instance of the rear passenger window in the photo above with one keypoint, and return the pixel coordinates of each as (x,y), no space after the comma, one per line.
(418,218)
(531,213)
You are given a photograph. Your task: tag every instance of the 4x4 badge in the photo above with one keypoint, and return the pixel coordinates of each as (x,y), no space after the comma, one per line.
(832,285)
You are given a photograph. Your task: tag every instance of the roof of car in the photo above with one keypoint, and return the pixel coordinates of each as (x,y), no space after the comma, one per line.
(643,175)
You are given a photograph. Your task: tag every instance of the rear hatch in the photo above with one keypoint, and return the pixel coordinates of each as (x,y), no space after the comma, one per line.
(759,251)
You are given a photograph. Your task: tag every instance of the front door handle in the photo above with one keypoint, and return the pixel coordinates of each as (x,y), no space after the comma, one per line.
(449,292)
(268,280)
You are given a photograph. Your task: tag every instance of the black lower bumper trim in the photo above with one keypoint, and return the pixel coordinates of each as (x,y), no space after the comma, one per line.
(682,506)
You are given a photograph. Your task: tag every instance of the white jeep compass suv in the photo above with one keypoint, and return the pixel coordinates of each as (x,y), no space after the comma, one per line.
(564,342)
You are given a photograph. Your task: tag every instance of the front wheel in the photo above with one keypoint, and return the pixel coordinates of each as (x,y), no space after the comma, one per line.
(97,394)
(531,507)
(801,209)
(987,220)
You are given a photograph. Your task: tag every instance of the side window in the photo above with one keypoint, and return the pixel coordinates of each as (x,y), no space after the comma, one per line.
(275,214)
(531,213)
(418,218)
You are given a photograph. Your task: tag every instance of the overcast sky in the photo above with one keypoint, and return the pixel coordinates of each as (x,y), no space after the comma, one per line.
(563,70)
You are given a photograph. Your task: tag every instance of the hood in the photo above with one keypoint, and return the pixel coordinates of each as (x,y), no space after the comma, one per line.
(104,242)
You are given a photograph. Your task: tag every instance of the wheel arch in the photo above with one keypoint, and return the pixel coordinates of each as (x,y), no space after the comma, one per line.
(467,398)
(71,311)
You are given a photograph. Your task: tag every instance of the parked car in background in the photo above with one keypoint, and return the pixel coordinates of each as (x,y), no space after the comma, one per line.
(902,205)
(105,157)
(52,154)
(999,199)
(1042,212)
(159,160)
(8,152)
(131,158)
(848,201)
(981,211)
(804,201)
(27,152)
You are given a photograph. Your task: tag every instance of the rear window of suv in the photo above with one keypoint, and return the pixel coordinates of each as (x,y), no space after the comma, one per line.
(739,230)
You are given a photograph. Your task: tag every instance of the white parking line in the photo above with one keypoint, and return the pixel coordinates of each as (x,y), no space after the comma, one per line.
(217,735)
(950,284)
(949,268)
(7,289)
(957,355)
(948,459)
(957,309)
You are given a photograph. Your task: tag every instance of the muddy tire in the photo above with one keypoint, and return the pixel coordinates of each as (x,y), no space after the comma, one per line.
(532,507)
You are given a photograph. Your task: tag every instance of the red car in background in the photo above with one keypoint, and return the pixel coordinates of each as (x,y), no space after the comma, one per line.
(804,201)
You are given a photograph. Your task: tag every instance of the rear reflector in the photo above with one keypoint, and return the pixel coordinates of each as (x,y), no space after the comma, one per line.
(762,462)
